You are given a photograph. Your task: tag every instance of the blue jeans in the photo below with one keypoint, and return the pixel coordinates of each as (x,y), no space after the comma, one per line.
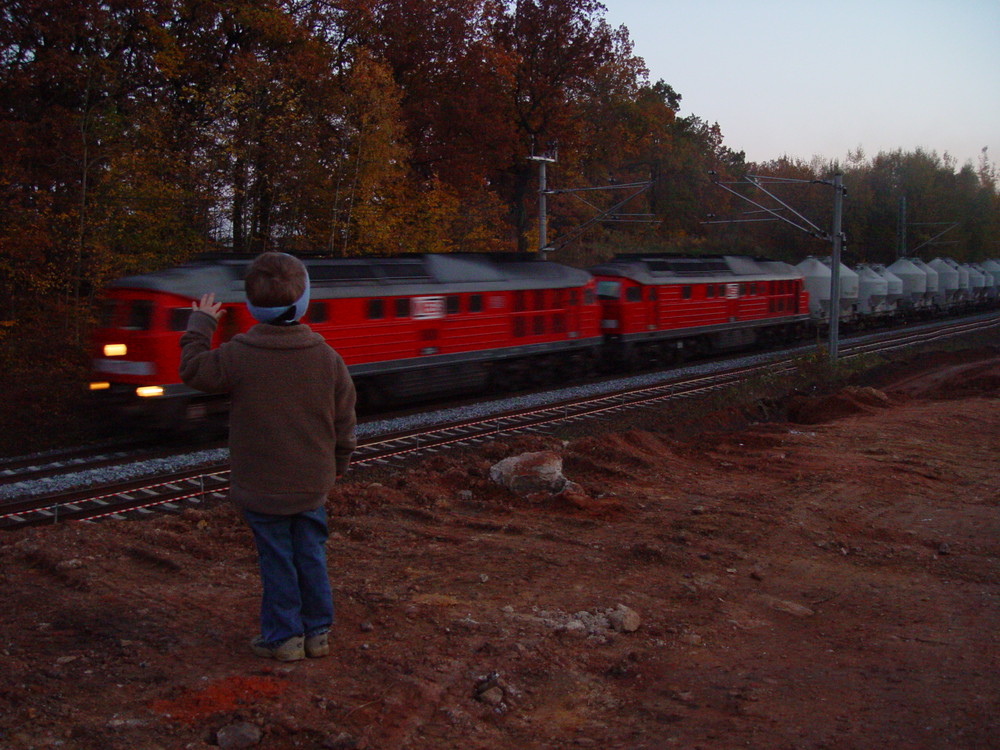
(296,597)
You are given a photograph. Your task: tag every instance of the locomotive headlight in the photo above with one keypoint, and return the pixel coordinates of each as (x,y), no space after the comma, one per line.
(99,386)
(115,350)
(149,391)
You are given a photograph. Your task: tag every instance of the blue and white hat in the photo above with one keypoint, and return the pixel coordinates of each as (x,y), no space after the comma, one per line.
(283,314)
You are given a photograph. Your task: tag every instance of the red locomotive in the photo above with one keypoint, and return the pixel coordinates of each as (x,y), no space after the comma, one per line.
(408,327)
(664,308)
(419,326)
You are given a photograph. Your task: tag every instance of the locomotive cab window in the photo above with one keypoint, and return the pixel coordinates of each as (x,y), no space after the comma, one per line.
(476,303)
(633,294)
(685,292)
(376,309)
(709,291)
(605,290)
(403,307)
(453,304)
(140,315)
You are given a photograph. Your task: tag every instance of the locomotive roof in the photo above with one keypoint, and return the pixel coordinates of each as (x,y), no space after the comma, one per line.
(368,276)
(656,268)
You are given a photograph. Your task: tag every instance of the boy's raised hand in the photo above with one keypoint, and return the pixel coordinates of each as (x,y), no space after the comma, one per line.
(209,306)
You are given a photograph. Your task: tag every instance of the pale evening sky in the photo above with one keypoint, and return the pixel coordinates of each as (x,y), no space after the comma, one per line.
(821,77)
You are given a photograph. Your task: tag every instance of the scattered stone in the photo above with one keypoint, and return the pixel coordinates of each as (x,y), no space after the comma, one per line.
(366,627)
(691,639)
(944,548)
(238,736)
(490,690)
(789,607)
(492,696)
(624,619)
(530,473)
(342,741)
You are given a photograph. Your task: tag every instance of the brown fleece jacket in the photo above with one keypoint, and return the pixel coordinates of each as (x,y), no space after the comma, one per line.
(292,420)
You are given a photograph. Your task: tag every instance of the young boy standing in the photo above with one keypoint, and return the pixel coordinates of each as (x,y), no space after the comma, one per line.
(291,434)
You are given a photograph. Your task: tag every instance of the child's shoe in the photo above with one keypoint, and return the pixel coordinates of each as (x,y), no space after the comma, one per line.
(317,645)
(290,649)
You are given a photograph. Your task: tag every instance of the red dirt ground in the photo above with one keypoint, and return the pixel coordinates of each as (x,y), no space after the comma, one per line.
(827,582)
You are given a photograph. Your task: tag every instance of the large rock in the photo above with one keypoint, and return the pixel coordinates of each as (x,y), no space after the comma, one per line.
(530,473)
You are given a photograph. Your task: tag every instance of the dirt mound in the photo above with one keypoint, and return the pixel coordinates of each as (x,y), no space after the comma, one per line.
(959,380)
(846,402)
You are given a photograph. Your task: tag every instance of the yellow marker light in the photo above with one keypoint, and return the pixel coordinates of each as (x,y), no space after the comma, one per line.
(115,350)
(99,386)
(148,391)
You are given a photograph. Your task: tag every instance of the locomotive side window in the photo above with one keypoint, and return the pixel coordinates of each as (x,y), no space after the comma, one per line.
(633,294)
(318,312)
(179,318)
(476,303)
(376,309)
(140,315)
(403,307)
(685,292)
(709,291)
(453,304)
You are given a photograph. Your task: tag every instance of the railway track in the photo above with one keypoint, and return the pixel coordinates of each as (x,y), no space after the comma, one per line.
(209,483)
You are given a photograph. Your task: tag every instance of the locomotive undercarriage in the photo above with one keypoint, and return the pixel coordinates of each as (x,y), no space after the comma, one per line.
(630,356)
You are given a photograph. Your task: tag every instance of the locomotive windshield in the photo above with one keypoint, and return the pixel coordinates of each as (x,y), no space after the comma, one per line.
(608,289)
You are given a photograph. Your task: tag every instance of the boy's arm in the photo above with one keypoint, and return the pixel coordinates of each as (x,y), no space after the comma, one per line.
(345,398)
(201,367)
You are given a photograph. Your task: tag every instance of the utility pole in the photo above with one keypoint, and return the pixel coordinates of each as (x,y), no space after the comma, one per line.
(901,228)
(838,242)
(543,248)
(550,157)
(835,236)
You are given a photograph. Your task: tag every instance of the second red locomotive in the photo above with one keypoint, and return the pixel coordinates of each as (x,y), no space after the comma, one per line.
(663,308)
